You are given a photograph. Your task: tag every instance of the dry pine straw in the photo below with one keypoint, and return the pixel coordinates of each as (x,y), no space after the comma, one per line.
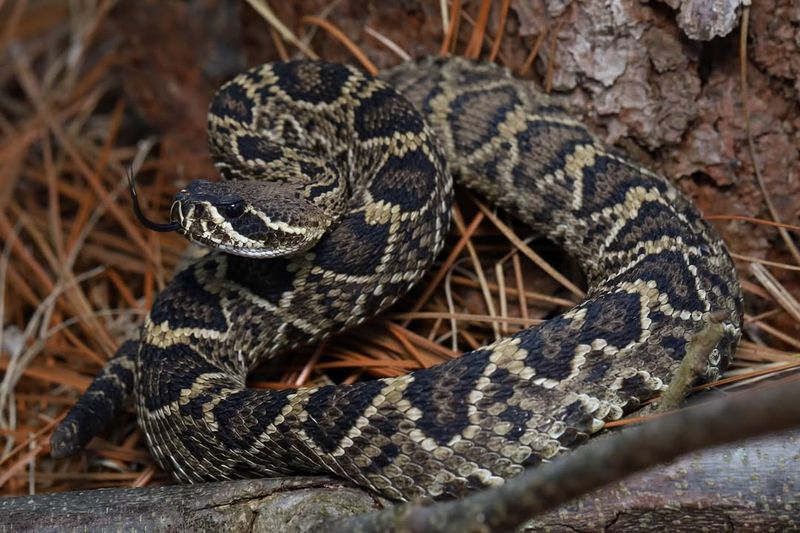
(78,273)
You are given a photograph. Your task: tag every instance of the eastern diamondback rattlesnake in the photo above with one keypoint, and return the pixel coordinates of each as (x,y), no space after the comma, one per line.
(345,174)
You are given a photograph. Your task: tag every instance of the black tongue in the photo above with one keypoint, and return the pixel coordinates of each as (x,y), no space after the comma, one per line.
(146,222)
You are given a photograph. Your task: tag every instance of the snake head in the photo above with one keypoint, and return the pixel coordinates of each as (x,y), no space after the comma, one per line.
(250,218)
(276,209)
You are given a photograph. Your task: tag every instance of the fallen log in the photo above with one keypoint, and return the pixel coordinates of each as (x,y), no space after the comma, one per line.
(752,485)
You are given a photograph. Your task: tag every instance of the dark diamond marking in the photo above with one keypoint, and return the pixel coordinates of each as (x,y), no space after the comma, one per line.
(668,269)
(615,318)
(232,102)
(169,371)
(474,122)
(332,411)
(387,455)
(439,394)
(187,304)
(653,221)
(250,226)
(408,182)
(597,370)
(674,346)
(266,278)
(386,113)
(244,415)
(253,146)
(312,81)
(355,247)
(518,417)
(551,347)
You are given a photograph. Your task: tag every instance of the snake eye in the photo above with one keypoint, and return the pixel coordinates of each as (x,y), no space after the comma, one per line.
(234,210)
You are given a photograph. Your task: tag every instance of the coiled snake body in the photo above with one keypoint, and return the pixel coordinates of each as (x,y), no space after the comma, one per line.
(360,237)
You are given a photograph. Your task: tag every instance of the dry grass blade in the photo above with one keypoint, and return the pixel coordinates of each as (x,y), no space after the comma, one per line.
(473,50)
(278,42)
(501,26)
(444,16)
(337,34)
(145,477)
(478,269)
(527,251)
(309,366)
(754,220)
(776,290)
(31,264)
(263,9)
(33,91)
(400,335)
(388,43)
(520,290)
(551,56)
(769,371)
(502,293)
(749,351)
(451,35)
(533,54)
(29,441)
(775,264)
(775,332)
(492,319)
(18,465)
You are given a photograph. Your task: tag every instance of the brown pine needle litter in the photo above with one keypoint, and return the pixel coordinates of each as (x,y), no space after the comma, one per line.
(78,273)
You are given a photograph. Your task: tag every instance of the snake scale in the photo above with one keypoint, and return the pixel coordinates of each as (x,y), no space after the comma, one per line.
(346,178)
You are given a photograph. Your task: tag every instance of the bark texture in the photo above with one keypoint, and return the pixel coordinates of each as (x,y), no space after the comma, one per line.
(750,486)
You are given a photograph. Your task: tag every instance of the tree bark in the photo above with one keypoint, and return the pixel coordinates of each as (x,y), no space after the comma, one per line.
(281,504)
(752,486)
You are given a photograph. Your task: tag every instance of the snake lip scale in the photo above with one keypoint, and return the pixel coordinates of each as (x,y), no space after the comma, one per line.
(344,182)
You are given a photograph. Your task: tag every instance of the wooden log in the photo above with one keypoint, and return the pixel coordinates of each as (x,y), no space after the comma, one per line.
(751,486)
(747,486)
